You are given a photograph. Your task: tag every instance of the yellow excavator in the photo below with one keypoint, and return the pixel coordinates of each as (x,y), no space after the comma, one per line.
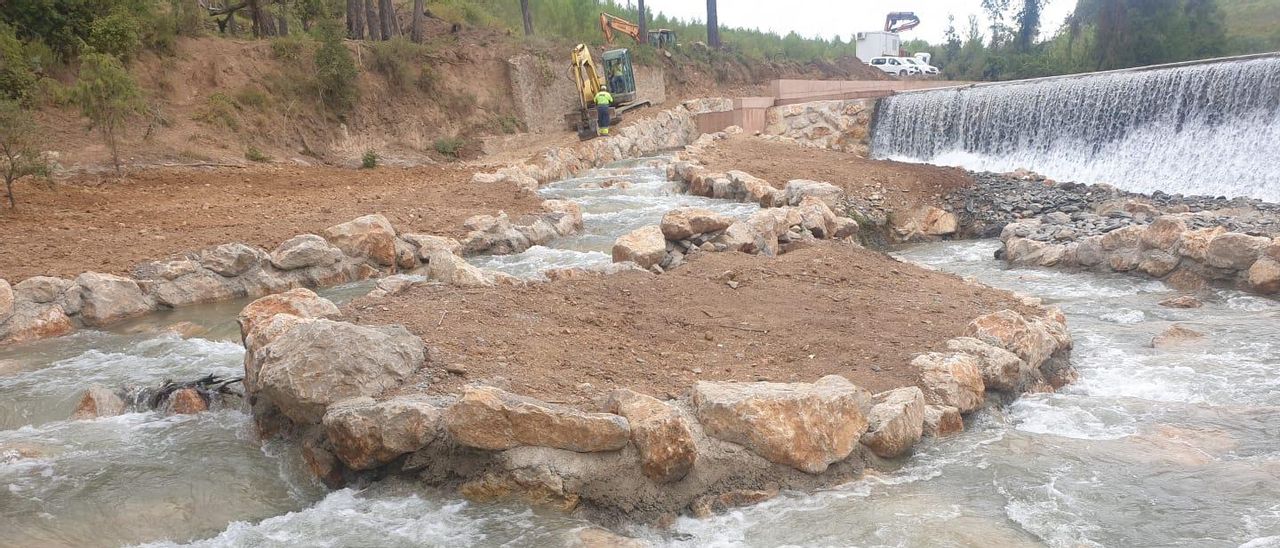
(610,23)
(621,83)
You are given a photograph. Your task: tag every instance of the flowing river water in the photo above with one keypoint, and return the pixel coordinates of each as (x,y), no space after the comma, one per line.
(1168,447)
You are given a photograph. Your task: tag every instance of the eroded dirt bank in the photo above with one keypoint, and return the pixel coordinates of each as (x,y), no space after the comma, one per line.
(829,308)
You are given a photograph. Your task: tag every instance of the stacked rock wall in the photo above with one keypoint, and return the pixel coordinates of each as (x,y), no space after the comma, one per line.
(836,125)
(636,458)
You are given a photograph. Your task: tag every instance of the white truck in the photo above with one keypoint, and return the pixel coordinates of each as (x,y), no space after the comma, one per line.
(869,45)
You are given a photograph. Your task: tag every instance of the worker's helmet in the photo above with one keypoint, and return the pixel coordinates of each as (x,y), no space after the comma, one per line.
(604,87)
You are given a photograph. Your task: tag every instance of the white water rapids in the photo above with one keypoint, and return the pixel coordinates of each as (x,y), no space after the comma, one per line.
(1170,447)
(1206,129)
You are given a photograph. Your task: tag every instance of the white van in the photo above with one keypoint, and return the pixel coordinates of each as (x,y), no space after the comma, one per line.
(896,66)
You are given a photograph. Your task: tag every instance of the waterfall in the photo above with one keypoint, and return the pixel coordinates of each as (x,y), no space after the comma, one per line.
(1208,128)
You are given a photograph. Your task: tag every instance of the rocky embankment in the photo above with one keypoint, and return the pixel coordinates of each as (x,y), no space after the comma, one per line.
(326,383)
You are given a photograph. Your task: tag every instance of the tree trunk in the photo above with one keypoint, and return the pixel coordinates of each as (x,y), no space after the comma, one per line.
(355,19)
(644,23)
(283,19)
(419,32)
(527,17)
(371,20)
(713,25)
(388,19)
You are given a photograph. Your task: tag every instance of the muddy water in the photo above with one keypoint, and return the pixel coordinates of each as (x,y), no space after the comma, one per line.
(1172,447)
(614,200)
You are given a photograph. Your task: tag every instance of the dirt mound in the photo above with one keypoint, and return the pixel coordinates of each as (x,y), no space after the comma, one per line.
(826,309)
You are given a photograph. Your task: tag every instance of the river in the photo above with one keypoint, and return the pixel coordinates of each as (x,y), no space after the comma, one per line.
(1169,447)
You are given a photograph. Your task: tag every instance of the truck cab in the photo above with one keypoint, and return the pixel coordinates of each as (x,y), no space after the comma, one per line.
(619,75)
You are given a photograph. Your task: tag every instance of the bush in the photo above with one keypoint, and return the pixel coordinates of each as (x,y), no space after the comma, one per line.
(20,143)
(450,146)
(510,124)
(369,160)
(396,59)
(290,48)
(107,96)
(118,34)
(17,79)
(255,155)
(335,69)
(219,109)
(252,97)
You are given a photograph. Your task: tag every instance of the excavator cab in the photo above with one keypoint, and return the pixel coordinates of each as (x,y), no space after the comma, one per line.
(619,75)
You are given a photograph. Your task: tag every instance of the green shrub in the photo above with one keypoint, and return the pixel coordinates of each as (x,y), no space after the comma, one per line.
(255,155)
(335,69)
(290,48)
(369,160)
(252,97)
(450,146)
(219,109)
(17,79)
(107,95)
(119,34)
(510,124)
(396,60)
(427,79)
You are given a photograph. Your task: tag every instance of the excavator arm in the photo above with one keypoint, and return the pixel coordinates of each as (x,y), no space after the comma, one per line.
(610,23)
(901,21)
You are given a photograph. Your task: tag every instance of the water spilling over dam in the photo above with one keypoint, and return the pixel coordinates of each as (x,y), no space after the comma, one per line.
(1211,128)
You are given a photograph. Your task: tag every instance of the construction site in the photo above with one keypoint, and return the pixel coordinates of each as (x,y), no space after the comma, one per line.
(636,288)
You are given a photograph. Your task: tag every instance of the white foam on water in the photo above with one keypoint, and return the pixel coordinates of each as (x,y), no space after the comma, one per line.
(1065,416)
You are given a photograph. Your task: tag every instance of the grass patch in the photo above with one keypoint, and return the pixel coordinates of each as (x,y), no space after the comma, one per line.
(219,109)
(369,160)
(450,146)
(252,154)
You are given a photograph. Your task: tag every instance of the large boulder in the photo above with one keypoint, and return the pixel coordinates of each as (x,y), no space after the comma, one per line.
(687,222)
(817,218)
(98,401)
(366,434)
(746,237)
(231,260)
(41,289)
(1264,276)
(1175,335)
(645,246)
(33,321)
(1157,263)
(106,298)
(1194,244)
(942,420)
(371,237)
(316,362)
(660,433)
(1009,330)
(805,426)
(952,378)
(426,243)
(895,422)
(451,269)
(300,302)
(1236,251)
(928,221)
(185,401)
(797,189)
(202,286)
(493,419)
(566,216)
(1164,234)
(304,251)
(494,235)
(6,300)
(1001,369)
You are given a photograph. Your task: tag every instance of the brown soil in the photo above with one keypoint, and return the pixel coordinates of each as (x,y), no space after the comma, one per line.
(88,224)
(826,309)
(902,185)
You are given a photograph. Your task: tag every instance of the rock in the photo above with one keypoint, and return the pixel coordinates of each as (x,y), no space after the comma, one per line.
(1194,244)
(1175,335)
(659,432)
(1001,369)
(6,300)
(98,401)
(1025,251)
(451,269)
(366,434)
(300,302)
(186,401)
(1185,301)
(687,222)
(1264,276)
(31,321)
(426,243)
(231,260)
(201,287)
(106,298)
(942,420)
(895,422)
(953,379)
(817,218)
(805,426)
(798,189)
(743,237)
(645,246)
(164,270)
(567,215)
(1185,279)
(1009,330)
(595,537)
(925,221)
(1235,251)
(845,228)
(1164,234)
(1127,238)
(495,235)
(41,289)
(303,251)
(493,419)
(406,255)
(316,362)
(710,505)
(1158,264)
(371,237)
(396,284)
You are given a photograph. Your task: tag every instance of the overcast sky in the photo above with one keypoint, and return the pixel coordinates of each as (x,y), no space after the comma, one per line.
(845,17)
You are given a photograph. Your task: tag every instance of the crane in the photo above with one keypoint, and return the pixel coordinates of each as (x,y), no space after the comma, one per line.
(610,23)
(901,21)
